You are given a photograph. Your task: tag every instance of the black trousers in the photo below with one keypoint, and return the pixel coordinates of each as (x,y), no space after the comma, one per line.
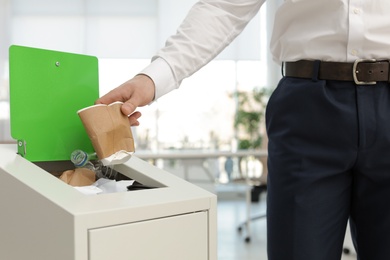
(329,162)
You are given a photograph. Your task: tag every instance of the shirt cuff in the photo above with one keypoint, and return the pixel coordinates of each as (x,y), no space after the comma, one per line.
(161,74)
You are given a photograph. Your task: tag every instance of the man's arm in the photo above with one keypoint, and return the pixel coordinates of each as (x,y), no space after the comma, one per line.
(207,29)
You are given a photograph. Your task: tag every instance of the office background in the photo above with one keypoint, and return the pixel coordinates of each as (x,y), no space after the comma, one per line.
(124,35)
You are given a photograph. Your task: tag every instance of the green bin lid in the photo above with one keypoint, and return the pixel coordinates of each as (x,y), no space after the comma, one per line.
(47,88)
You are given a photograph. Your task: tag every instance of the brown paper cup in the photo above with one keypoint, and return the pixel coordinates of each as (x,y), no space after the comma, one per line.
(108,129)
(78,177)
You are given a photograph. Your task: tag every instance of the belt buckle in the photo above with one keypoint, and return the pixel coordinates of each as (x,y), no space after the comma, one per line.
(354,72)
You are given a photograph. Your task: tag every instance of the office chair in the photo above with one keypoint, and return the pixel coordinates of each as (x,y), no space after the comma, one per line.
(252,196)
(256,187)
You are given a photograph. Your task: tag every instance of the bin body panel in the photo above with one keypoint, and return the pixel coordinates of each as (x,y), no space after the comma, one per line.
(176,238)
(31,226)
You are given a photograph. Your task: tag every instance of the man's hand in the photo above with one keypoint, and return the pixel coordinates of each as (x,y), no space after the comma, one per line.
(136,92)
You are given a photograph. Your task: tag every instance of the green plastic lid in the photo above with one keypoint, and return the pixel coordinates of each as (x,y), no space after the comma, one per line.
(47,88)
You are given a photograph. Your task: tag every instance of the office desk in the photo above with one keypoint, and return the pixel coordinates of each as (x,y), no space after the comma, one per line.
(197,158)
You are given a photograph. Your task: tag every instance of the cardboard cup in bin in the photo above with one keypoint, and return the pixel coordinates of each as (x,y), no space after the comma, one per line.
(78,177)
(109,131)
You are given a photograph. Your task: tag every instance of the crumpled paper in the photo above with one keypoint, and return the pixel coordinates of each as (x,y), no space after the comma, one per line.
(117,158)
(84,180)
(103,186)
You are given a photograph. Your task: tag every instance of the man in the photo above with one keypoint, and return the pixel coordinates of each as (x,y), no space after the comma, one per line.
(327,121)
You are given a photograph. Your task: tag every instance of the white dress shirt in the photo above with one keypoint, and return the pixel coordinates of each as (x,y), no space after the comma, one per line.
(331,30)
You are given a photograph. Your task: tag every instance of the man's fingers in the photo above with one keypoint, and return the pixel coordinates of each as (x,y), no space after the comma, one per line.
(128,107)
(138,91)
(110,97)
(133,118)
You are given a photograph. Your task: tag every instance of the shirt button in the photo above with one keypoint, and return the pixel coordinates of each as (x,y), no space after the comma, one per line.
(356,11)
(354,52)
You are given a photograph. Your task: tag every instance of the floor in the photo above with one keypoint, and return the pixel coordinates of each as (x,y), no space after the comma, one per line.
(231,242)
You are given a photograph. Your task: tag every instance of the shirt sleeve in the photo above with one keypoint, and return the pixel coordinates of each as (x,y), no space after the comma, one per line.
(208,28)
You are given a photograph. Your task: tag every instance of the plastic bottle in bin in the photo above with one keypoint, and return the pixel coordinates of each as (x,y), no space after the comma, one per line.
(82,159)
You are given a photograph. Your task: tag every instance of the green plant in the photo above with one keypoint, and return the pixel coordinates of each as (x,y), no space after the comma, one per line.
(249,117)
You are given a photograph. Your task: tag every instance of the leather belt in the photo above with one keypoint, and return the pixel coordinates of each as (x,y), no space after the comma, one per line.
(362,71)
